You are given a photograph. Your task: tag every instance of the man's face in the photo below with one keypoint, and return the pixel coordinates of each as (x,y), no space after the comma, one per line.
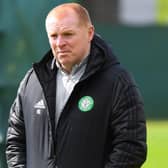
(69,40)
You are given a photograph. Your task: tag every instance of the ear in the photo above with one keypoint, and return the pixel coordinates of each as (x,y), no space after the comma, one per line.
(91,31)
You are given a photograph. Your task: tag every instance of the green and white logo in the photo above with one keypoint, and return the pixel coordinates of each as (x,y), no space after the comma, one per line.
(86,103)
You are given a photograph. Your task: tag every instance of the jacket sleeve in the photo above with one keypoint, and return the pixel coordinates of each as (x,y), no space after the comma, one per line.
(127,132)
(15,140)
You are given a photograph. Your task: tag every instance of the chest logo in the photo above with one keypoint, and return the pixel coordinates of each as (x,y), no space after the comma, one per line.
(40,105)
(86,103)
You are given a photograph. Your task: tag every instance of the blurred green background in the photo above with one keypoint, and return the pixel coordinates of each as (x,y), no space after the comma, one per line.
(141,49)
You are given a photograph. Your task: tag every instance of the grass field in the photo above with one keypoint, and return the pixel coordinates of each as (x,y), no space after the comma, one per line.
(157,139)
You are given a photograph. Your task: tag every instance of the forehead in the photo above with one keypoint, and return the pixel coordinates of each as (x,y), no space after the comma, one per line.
(62,19)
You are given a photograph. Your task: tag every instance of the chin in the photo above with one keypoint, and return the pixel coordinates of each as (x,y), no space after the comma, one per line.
(64,63)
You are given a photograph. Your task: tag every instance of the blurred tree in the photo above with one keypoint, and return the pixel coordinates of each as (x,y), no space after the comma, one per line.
(162,12)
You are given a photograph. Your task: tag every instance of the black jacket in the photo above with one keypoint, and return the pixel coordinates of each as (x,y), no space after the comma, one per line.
(108,133)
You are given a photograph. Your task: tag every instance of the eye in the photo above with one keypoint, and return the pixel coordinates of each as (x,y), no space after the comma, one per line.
(68,34)
(53,35)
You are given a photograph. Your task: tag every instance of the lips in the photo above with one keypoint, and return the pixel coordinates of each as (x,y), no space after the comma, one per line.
(63,52)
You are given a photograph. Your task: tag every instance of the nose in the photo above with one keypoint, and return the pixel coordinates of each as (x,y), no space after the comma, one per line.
(60,41)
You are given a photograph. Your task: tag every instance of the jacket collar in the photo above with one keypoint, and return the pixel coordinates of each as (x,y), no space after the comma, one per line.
(101,57)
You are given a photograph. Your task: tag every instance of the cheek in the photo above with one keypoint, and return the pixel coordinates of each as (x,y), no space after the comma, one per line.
(83,45)
(80,50)
(52,43)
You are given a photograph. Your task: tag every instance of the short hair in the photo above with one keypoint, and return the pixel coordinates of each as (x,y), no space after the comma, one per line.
(82,13)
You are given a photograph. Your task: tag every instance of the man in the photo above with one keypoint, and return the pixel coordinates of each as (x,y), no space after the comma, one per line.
(77,107)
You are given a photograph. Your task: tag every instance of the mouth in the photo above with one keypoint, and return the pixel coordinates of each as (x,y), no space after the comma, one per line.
(63,52)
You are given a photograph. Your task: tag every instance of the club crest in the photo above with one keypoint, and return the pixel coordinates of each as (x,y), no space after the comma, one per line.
(86,103)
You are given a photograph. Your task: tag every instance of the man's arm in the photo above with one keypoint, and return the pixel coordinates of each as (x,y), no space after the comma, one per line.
(15,141)
(127,129)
